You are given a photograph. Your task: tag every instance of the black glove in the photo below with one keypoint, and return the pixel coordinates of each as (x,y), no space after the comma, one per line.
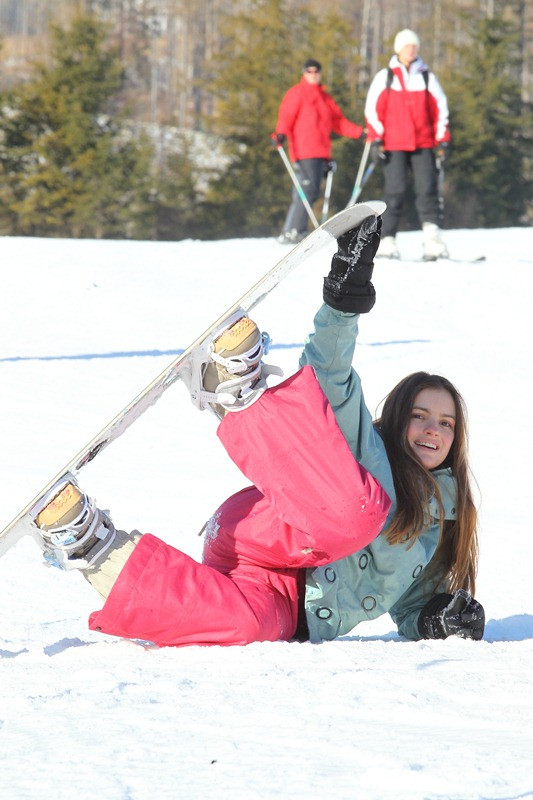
(442,151)
(377,153)
(277,139)
(452,615)
(347,287)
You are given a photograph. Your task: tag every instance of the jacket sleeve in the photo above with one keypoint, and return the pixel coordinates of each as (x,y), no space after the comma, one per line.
(406,610)
(288,111)
(330,350)
(373,106)
(441,113)
(340,124)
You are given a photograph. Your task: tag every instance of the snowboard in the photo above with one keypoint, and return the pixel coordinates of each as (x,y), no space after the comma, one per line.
(180,368)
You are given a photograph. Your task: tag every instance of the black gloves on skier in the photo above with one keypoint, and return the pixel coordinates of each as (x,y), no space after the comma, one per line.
(452,615)
(377,152)
(277,139)
(348,287)
(442,151)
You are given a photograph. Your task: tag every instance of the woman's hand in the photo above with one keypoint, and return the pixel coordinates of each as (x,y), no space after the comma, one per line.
(348,287)
(456,614)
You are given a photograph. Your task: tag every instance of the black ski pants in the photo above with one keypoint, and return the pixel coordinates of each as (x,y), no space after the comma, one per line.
(309,172)
(396,170)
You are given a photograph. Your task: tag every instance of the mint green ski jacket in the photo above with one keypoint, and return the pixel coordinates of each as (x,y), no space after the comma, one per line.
(382,577)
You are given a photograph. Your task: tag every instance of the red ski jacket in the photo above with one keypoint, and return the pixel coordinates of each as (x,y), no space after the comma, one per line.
(307,116)
(408,115)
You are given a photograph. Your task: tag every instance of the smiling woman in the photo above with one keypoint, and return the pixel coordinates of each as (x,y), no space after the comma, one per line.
(431,430)
(346,518)
(423,564)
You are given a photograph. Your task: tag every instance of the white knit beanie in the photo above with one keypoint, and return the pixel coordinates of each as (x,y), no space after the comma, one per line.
(405,37)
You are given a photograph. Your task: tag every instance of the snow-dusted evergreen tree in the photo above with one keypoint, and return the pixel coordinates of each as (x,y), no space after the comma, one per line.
(68,167)
(490,166)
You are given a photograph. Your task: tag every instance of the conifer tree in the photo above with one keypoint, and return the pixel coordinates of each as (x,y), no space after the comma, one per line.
(491,132)
(69,169)
(176,204)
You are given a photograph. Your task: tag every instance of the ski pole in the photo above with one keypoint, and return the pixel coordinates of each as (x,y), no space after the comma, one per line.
(358,185)
(297,185)
(332,166)
(368,172)
(439,162)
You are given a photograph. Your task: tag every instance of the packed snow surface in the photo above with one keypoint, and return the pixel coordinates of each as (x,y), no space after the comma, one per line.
(85,325)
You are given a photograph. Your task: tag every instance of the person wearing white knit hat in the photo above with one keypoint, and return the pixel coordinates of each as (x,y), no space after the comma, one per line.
(404,38)
(407,121)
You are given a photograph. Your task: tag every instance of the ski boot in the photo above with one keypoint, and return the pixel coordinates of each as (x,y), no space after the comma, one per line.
(291,236)
(227,372)
(434,247)
(72,532)
(387,248)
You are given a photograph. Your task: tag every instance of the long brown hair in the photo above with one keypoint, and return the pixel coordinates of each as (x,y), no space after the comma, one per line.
(457,552)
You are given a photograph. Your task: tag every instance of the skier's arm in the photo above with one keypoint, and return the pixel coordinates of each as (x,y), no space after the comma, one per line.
(424,614)
(347,293)
(329,350)
(441,113)
(288,112)
(373,106)
(406,611)
(342,125)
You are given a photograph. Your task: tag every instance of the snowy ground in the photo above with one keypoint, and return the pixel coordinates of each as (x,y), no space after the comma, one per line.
(368,716)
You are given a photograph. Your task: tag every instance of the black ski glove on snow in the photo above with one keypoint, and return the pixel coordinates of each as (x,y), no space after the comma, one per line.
(452,615)
(347,287)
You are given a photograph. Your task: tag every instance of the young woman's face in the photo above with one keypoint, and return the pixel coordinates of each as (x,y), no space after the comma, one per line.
(431,429)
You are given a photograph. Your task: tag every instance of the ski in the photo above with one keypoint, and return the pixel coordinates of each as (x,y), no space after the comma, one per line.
(181,367)
(472,260)
(444,260)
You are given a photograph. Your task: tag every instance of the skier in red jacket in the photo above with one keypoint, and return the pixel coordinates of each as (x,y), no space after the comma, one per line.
(307,116)
(407,117)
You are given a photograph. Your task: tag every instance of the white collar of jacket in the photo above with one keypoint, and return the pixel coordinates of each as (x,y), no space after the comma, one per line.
(448,490)
(416,67)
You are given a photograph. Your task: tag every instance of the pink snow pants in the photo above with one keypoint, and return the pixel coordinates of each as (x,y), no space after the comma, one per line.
(311,504)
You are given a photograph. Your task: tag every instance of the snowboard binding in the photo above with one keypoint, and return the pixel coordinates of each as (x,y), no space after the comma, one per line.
(227,372)
(70,529)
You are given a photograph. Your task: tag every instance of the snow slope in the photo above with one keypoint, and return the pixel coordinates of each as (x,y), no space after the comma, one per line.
(84,326)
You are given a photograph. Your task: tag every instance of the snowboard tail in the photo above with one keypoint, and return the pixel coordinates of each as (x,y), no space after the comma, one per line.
(181,366)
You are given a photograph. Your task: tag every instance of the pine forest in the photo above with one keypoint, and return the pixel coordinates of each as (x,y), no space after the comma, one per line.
(152,118)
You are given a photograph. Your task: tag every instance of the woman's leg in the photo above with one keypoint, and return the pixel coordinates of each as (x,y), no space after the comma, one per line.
(164,596)
(321,505)
(103,574)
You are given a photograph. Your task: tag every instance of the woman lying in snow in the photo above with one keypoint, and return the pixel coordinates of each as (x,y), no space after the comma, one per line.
(347,518)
